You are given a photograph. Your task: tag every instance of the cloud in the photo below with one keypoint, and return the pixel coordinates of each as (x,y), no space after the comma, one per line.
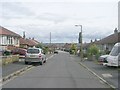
(14,10)
(39,19)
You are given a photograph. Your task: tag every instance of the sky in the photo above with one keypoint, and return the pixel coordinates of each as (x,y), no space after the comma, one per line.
(38,18)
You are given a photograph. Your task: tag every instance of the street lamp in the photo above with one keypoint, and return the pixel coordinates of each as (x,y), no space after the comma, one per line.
(80,41)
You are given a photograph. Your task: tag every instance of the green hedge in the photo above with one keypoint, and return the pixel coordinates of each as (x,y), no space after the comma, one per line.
(10,59)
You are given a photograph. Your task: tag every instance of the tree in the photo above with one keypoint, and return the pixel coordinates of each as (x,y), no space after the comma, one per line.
(46,50)
(39,46)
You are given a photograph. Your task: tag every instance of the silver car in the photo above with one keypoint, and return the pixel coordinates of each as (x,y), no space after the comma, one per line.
(35,55)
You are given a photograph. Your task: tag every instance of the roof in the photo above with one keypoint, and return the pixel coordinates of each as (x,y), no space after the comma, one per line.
(23,41)
(114,38)
(29,42)
(111,39)
(4,31)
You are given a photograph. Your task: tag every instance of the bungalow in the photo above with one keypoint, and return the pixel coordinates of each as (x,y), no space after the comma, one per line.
(8,39)
(105,44)
(25,43)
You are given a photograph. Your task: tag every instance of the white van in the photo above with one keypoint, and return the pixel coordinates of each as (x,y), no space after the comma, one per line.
(114,57)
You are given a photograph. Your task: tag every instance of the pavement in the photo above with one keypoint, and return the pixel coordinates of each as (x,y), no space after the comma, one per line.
(60,71)
(110,74)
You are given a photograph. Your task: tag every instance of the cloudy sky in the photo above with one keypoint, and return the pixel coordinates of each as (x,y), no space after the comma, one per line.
(40,17)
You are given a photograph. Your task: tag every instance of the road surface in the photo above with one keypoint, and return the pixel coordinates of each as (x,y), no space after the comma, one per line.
(60,71)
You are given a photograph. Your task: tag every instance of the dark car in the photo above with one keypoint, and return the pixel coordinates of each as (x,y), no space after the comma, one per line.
(55,52)
(19,51)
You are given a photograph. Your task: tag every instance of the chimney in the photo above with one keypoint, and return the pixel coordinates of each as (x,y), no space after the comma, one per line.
(33,38)
(24,34)
(115,31)
(95,40)
(91,41)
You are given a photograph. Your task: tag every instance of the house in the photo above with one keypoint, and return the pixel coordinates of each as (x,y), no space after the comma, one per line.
(105,44)
(108,42)
(26,43)
(8,39)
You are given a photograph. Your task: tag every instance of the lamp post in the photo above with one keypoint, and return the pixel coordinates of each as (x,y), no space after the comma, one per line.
(80,41)
(50,43)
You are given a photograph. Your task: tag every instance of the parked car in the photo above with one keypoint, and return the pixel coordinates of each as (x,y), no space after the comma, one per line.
(35,55)
(55,52)
(19,51)
(114,57)
(102,59)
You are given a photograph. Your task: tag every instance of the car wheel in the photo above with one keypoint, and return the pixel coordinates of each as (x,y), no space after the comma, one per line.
(26,62)
(45,61)
(41,63)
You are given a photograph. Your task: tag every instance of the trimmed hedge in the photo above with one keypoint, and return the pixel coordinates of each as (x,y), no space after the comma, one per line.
(10,59)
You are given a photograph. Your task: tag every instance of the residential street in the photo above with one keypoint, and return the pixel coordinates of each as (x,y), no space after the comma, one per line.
(60,71)
(110,74)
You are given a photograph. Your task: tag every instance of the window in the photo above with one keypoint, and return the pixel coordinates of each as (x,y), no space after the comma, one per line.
(115,51)
(33,51)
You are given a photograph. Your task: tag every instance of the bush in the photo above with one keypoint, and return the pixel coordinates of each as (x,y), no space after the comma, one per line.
(7,53)
(85,55)
(45,50)
(93,51)
(73,49)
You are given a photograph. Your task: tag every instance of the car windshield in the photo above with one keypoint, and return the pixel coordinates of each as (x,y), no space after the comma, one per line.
(33,51)
(115,51)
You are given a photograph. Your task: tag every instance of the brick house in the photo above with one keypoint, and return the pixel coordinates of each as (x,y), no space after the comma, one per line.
(8,39)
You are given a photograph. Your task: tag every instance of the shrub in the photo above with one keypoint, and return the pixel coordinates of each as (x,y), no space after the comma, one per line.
(93,50)
(73,49)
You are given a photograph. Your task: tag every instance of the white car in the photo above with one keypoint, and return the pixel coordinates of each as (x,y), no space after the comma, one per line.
(35,55)
(102,59)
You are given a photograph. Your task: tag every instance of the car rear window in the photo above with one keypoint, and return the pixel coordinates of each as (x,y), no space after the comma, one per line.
(33,51)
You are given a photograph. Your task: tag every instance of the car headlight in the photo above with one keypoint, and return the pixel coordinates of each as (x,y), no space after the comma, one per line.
(105,60)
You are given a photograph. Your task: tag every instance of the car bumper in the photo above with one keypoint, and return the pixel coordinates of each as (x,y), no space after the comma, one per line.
(110,64)
(33,60)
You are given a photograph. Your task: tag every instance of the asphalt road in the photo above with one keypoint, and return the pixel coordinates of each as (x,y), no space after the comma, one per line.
(60,71)
(11,68)
(110,74)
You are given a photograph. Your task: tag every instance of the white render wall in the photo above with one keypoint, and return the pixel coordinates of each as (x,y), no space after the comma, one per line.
(9,40)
